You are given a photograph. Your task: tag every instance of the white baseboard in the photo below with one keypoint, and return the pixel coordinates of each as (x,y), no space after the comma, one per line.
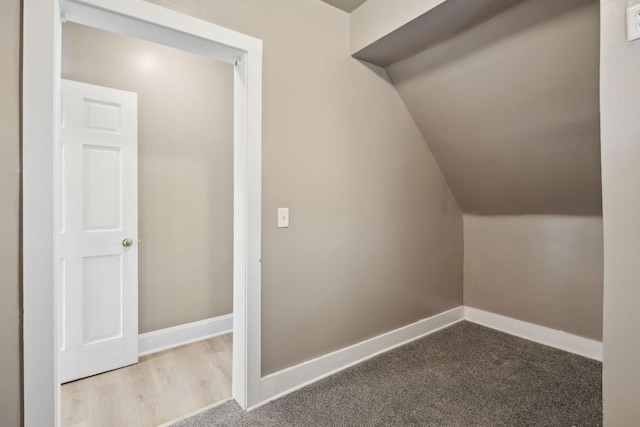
(288,380)
(283,382)
(164,339)
(540,334)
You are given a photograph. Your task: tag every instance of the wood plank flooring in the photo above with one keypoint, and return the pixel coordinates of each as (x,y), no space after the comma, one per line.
(162,387)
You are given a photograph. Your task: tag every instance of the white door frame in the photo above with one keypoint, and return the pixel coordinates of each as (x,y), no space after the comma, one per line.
(40,118)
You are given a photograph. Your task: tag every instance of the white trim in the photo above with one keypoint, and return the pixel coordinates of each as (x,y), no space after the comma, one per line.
(40,84)
(247,252)
(188,33)
(283,382)
(164,339)
(40,61)
(288,380)
(540,334)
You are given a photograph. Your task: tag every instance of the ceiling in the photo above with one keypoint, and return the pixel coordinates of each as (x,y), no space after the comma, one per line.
(346,5)
(439,24)
(510,109)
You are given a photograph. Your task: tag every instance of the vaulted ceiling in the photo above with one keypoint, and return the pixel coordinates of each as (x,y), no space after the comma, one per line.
(507,100)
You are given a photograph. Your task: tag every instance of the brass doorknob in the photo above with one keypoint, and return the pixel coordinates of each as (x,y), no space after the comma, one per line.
(127,241)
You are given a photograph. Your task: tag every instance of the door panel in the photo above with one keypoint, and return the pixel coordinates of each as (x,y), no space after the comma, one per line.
(97,210)
(102,298)
(102,190)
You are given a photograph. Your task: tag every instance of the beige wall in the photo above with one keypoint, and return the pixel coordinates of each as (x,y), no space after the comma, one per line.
(619,88)
(543,269)
(9,214)
(185,172)
(375,240)
(376,236)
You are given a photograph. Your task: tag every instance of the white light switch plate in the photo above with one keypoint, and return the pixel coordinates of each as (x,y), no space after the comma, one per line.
(283,217)
(633,23)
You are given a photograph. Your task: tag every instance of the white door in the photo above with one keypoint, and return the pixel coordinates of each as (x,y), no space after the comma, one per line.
(97,245)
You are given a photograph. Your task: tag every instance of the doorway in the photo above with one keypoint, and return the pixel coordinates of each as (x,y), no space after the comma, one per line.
(182,248)
(41,60)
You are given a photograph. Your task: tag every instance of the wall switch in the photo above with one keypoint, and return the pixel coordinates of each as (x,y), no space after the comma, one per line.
(633,23)
(283,217)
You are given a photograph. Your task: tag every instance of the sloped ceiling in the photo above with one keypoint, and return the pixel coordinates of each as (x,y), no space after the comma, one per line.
(346,5)
(510,109)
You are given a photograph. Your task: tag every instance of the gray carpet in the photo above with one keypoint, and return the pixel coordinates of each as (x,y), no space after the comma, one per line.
(465,375)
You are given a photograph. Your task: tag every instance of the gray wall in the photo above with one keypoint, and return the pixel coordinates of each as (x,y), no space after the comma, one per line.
(543,269)
(9,214)
(510,110)
(375,240)
(185,122)
(620,84)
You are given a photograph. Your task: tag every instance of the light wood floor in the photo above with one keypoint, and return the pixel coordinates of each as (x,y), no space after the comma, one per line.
(162,387)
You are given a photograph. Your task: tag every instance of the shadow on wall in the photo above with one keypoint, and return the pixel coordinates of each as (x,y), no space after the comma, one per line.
(510,109)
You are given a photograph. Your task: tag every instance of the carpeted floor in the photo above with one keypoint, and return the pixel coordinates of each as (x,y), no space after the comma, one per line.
(465,375)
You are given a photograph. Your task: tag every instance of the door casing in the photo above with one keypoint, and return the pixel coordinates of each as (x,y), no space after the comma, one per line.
(40,119)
